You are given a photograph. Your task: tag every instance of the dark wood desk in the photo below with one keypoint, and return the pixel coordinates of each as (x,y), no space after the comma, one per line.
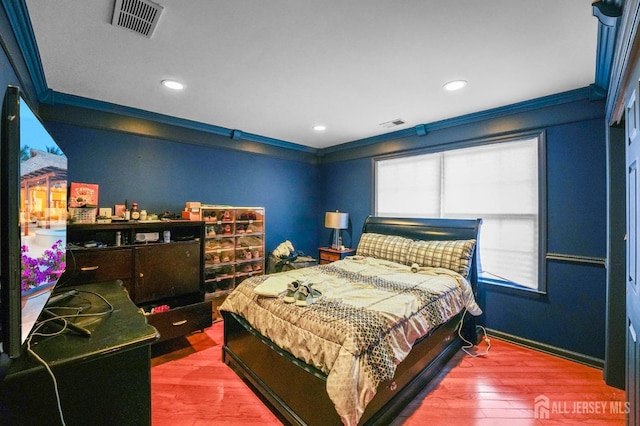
(104,379)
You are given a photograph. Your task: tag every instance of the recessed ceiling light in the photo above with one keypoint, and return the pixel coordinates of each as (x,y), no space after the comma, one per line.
(455,85)
(172,84)
(319,127)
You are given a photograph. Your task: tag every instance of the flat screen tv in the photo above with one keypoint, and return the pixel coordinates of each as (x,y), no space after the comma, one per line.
(33,194)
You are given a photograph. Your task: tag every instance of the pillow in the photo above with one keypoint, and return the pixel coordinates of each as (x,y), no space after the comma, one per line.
(387,247)
(450,254)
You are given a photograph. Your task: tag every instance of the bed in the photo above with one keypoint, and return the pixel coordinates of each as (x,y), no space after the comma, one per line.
(409,285)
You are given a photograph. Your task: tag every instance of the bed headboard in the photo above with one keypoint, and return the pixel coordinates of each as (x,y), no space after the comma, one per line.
(424,229)
(429,229)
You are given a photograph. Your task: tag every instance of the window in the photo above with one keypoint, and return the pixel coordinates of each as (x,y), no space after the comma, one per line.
(498,182)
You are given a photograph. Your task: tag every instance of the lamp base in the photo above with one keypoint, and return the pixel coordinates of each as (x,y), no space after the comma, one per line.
(336,239)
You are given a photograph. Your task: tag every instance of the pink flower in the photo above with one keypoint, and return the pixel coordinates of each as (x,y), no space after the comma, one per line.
(44,269)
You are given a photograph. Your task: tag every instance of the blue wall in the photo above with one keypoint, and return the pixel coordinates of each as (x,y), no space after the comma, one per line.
(347,187)
(161,175)
(571,316)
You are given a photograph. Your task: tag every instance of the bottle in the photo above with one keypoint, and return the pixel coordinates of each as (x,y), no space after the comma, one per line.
(143,215)
(135,213)
(118,239)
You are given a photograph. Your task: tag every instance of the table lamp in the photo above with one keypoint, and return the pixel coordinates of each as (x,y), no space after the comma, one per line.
(336,221)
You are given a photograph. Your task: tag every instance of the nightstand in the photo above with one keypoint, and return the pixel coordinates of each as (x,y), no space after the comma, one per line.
(328,255)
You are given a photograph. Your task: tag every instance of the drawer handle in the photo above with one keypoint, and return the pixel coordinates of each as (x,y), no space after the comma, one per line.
(89,268)
(178,323)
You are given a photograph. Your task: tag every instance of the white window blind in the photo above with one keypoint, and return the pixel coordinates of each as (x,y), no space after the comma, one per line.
(496,182)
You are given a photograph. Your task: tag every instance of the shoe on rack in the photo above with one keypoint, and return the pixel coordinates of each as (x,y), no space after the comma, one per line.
(292,290)
(306,294)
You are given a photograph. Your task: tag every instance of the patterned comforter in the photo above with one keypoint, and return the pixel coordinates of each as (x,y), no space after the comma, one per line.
(369,315)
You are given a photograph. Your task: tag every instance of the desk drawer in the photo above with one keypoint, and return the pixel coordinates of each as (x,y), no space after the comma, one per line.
(89,266)
(181,320)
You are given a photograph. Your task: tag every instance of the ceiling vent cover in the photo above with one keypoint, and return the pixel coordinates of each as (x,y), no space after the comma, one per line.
(393,123)
(139,16)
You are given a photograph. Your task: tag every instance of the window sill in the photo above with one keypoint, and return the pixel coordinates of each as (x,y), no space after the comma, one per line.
(509,288)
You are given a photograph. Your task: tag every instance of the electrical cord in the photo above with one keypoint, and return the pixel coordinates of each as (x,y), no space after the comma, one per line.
(53,378)
(468,345)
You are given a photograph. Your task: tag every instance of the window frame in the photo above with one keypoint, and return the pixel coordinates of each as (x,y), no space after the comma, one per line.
(542,196)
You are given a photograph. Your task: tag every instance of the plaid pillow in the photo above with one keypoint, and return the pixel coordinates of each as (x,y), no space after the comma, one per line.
(454,254)
(387,247)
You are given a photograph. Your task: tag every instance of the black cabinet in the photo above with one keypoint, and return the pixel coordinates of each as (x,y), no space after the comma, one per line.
(165,279)
(166,270)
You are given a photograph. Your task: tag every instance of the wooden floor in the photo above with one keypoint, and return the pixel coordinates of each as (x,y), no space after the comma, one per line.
(191,386)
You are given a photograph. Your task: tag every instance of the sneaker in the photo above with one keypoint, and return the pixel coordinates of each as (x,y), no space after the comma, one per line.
(292,290)
(306,294)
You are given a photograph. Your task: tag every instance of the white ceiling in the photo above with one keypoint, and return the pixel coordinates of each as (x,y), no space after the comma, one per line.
(276,68)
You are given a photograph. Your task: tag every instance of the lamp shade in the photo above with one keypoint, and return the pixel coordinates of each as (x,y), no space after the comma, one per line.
(336,220)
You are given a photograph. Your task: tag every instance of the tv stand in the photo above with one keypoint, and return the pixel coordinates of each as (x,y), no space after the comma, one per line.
(103,379)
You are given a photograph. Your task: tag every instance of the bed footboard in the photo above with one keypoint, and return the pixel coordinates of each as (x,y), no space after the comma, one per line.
(297,391)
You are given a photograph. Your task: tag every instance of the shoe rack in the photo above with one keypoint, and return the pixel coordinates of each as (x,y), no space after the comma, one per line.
(233,246)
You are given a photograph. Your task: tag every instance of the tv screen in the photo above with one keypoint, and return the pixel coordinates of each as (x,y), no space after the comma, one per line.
(33,209)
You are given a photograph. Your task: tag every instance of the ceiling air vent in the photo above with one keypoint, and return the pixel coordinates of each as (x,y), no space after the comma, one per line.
(139,16)
(392,123)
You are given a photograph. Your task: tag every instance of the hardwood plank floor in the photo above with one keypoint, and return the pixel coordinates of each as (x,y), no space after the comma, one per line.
(191,386)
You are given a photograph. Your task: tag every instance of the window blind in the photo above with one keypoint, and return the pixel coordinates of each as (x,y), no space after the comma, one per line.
(497,182)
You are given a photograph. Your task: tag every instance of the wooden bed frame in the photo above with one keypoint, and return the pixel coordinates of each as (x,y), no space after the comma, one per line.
(297,391)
